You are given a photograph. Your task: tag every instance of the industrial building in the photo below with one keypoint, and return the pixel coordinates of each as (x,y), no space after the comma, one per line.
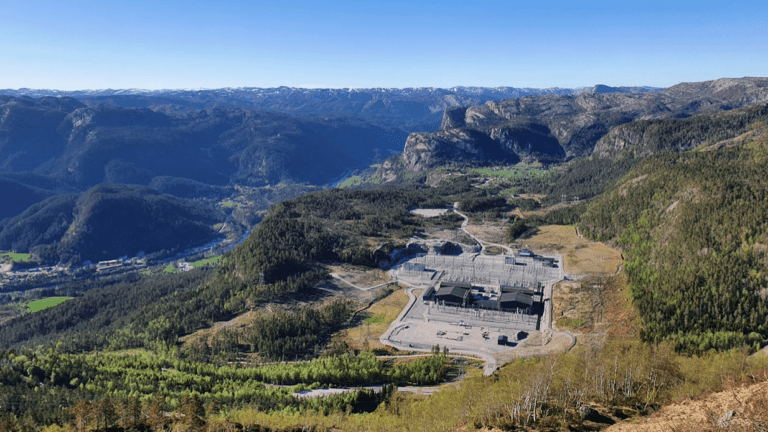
(509,299)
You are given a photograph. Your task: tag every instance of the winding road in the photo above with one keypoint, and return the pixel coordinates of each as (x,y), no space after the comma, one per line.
(482,243)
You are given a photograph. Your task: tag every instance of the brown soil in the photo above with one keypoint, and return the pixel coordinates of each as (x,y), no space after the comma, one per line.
(362,278)
(7,315)
(236,323)
(490,232)
(742,407)
(377,319)
(582,256)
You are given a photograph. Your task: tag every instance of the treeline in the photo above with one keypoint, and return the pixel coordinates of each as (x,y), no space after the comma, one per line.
(340,370)
(277,336)
(691,226)
(623,379)
(567,215)
(90,320)
(583,178)
(77,382)
(483,204)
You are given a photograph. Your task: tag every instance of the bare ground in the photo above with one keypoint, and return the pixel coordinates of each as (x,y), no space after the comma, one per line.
(582,256)
(490,232)
(377,318)
(742,407)
(361,277)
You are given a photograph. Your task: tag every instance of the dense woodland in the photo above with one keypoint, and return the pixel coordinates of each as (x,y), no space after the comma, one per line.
(73,228)
(693,227)
(139,377)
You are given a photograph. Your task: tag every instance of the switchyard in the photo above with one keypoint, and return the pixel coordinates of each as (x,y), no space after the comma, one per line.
(498,270)
(475,303)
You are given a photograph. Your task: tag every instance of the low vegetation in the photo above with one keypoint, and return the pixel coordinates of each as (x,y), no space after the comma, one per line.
(38,305)
(14,257)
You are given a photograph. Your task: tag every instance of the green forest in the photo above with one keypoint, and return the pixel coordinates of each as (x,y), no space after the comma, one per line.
(692,227)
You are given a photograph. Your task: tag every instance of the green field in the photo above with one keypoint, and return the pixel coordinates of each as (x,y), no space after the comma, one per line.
(352,181)
(169,269)
(203,262)
(45,303)
(230,204)
(516,172)
(14,257)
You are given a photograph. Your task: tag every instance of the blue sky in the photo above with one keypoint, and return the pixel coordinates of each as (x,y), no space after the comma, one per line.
(86,44)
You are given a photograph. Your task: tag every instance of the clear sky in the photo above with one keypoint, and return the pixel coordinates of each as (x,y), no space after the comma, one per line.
(153,44)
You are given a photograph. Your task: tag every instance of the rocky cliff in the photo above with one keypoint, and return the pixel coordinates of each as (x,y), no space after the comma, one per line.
(553,128)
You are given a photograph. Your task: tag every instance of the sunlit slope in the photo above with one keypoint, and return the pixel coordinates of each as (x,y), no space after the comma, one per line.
(693,230)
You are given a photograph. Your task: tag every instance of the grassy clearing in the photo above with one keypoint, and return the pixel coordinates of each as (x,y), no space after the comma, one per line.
(564,322)
(45,303)
(352,181)
(517,171)
(582,256)
(169,269)
(381,315)
(206,261)
(14,257)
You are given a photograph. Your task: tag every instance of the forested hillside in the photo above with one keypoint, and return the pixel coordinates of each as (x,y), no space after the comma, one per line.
(84,146)
(280,262)
(109,221)
(648,137)
(693,228)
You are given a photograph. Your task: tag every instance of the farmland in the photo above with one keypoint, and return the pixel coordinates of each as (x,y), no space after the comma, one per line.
(38,305)
(14,257)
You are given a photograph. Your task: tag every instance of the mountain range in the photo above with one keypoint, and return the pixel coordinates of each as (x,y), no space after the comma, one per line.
(556,128)
(410,109)
(218,145)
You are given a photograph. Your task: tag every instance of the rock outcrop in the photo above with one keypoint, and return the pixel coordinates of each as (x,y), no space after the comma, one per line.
(554,128)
